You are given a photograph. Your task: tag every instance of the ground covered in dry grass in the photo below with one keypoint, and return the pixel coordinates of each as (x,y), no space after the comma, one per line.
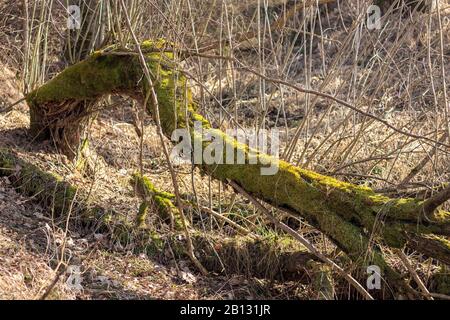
(394,74)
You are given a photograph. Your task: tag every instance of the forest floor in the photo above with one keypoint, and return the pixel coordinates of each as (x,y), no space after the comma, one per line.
(35,251)
(28,240)
(32,245)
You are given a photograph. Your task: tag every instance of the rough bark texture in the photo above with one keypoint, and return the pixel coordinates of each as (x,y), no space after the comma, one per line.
(277,258)
(348,214)
(162,201)
(419,5)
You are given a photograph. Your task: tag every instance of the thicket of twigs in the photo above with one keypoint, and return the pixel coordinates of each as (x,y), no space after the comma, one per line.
(245,61)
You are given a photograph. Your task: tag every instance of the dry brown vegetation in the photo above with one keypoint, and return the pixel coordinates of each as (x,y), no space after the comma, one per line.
(238,55)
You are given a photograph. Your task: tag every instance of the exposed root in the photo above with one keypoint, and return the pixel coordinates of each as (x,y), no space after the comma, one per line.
(272,258)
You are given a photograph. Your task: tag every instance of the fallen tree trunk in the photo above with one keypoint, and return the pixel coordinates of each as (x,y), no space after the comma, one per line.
(348,214)
(274,258)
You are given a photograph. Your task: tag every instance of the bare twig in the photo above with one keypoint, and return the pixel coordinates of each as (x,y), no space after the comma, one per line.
(341,102)
(323,95)
(304,242)
(155,104)
(11,106)
(422,163)
(444,87)
(238,227)
(274,26)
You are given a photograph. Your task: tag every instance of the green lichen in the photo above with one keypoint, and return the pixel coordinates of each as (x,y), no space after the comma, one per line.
(142,215)
(163,201)
(48,188)
(159,45)
(89,79)
(347,213)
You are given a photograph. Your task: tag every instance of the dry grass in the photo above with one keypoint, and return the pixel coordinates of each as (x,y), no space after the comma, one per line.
(394,73)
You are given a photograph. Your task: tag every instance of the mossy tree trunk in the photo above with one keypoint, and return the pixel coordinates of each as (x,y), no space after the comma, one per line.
(348,214)
(419,5)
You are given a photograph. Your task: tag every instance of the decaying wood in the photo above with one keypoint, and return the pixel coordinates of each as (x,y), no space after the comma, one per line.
(272,258)
(352,216)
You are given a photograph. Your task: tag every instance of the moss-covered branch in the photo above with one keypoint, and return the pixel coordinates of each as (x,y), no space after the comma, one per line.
(272,258)
(162,201)
(348,214)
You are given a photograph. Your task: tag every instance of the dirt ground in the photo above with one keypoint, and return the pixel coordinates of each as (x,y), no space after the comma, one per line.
(40,258)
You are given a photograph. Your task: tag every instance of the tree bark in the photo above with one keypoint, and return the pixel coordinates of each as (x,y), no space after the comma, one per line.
(348,214)
(269,258)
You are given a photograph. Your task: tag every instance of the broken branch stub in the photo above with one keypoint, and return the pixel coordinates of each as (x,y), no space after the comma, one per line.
(348,214)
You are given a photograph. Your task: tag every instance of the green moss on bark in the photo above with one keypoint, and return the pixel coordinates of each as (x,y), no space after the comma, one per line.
(163,201)
(347,213)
